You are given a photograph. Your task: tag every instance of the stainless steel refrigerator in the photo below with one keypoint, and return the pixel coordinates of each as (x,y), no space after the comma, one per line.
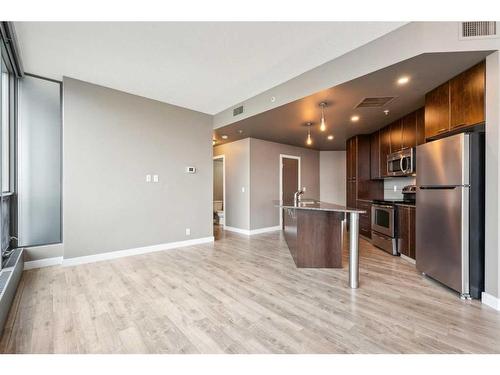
(450,212)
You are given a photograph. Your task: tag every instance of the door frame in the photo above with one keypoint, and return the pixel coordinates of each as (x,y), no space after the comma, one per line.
(280,169)
(224,202)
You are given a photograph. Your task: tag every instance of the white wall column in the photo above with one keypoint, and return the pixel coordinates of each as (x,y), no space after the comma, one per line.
(491,296)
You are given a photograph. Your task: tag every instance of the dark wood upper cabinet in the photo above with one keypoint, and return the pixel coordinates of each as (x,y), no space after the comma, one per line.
(385,149)
(467,91)
(457,103)
(375,170)
(359,184)
(420,120)
(409,130)
(396,136)
(437,110)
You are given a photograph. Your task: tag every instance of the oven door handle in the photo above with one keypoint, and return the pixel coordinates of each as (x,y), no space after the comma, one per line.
(382,206)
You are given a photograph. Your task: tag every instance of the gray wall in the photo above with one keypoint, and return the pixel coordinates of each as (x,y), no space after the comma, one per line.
(237,204)
(332,172)
(218,180)
(264,178)
(111,141)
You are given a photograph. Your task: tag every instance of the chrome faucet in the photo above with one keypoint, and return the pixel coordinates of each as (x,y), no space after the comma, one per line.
(296,197)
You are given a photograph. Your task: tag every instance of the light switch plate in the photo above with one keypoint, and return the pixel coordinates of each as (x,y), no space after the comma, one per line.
(148,178)
(188,231)
(155,178)
(242,189)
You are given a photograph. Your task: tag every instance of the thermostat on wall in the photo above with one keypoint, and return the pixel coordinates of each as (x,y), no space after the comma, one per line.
(190,169)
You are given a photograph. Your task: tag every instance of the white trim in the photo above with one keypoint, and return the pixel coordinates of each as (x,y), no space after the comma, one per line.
(490,300)
(408,259)
(280,169)
(40,263)
(135,251)
(224,205)
(265,230)
(252,232)
(237,230)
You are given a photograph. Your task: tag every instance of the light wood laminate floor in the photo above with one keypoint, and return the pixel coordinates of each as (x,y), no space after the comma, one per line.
(242,295)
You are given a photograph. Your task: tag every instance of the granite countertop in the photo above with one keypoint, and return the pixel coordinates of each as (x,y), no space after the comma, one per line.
(311,204)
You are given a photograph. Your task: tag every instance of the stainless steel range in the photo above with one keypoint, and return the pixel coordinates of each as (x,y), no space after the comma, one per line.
(384,228)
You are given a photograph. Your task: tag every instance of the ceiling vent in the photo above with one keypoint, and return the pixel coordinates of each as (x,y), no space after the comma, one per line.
(478,30)
(375,102)
(238,111)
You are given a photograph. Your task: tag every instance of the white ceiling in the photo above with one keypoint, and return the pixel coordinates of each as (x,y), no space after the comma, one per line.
(206,66)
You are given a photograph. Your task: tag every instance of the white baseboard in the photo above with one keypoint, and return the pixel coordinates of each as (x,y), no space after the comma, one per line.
(490,300)
(253,231)
(40,263)
(135,251)
(237,230)
(265,230)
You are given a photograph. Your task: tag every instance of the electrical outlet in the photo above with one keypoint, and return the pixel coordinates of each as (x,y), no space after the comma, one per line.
(242,189)
(156,178)
(188,231)
(395,188)
(148,178)
(304,189)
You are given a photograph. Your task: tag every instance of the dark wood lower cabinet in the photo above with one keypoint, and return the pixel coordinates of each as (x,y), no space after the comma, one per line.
(365,220)
(406,230)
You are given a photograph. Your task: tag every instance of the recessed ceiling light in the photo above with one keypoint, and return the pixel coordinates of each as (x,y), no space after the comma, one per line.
(330,137)
(240,131)
(386,112)
(355,118)
(403,80)
(224,136)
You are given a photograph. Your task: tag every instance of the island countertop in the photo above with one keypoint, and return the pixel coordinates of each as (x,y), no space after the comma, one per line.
(310,204)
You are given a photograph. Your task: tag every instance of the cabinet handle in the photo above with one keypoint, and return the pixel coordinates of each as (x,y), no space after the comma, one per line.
(442,130)
(458,125)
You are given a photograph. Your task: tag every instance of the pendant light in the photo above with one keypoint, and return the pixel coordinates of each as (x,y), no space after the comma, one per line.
(309,139)
(322,125)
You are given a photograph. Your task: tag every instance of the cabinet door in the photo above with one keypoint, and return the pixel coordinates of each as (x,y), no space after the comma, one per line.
(403,230)
(467,97)
(385,148)
(419,114)
(409,130)
(437,110)
(365,219)
(375,156)
(354,158)
(348,160)
(396,136)
(411,226)
(351,194)
(348,172)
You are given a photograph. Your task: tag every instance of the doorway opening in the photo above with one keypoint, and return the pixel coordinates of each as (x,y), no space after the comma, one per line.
(289,179)
(219,194)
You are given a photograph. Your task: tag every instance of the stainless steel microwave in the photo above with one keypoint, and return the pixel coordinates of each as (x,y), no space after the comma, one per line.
(401,163)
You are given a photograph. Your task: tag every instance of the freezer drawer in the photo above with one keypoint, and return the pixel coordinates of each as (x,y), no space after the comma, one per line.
(441,230)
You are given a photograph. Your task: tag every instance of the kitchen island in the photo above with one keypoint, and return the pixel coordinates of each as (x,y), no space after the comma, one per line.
(313,231)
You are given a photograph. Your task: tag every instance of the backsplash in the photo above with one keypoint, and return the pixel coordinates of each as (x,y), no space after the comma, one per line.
(393,186)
